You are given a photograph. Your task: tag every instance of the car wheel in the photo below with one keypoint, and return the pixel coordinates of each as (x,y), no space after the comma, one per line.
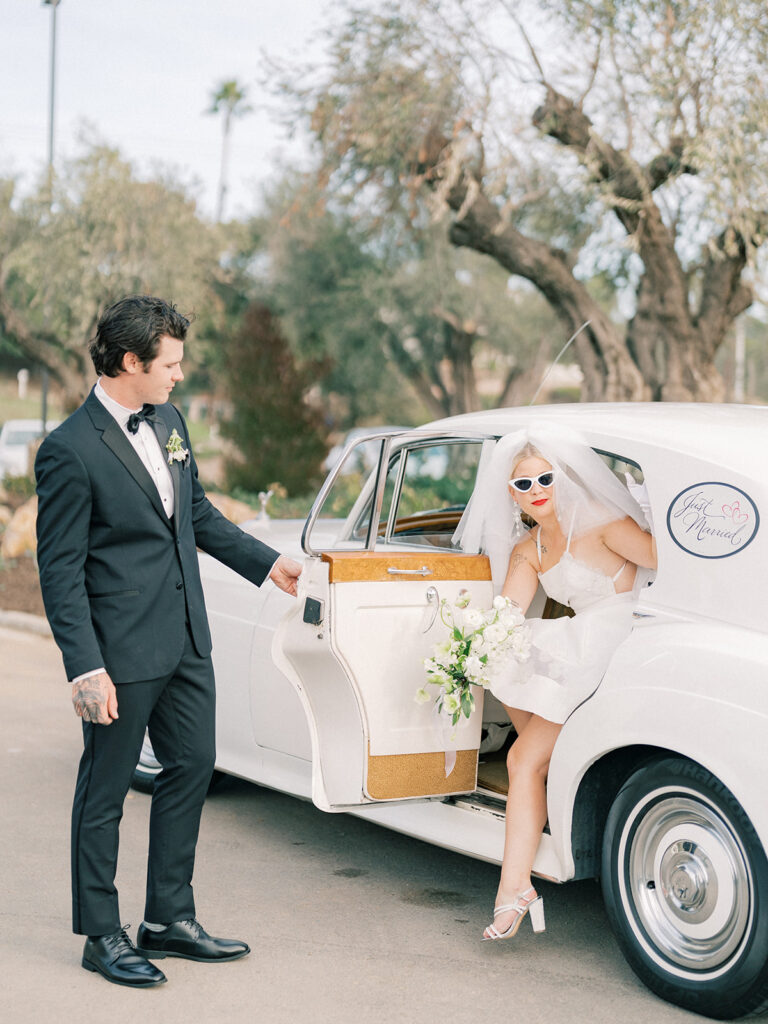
(148,768)
(685,883)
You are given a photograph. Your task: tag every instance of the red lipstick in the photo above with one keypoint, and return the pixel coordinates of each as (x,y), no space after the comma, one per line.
(540,501)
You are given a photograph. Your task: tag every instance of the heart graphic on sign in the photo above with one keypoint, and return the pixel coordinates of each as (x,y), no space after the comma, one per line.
(734,512)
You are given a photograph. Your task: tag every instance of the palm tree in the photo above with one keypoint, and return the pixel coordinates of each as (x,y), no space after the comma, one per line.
(229,98)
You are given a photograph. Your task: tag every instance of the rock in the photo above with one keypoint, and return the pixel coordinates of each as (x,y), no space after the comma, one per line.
(235,511)
(19,536)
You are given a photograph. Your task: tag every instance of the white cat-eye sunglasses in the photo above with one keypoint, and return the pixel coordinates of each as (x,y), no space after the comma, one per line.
(525,483)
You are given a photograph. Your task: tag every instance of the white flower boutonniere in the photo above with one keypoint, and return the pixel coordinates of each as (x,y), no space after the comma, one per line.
(175,448)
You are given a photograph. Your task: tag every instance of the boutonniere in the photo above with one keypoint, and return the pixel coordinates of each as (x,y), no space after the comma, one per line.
(175,448)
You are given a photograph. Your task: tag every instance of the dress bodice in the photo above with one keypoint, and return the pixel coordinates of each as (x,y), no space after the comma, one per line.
(574,583)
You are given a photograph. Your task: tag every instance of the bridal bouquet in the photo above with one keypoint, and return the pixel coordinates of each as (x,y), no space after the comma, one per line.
(478,644)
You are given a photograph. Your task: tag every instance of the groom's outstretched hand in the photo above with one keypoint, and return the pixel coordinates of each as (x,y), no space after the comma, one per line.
(95,699)
(285,574)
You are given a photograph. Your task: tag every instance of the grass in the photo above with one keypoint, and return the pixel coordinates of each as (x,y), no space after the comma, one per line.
(30,408)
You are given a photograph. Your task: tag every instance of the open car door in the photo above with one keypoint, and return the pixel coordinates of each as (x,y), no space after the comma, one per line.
(369,612)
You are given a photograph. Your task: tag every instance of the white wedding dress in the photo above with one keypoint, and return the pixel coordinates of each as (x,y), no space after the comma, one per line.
(568,656)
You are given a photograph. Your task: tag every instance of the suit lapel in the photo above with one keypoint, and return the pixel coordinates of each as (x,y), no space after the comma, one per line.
(115,439)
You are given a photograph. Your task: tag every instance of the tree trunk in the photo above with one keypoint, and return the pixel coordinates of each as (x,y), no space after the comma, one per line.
(67,367)
(673,346)
(610,374)
(669,348)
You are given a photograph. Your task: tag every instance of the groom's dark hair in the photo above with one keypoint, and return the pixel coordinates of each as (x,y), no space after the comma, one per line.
(134,324)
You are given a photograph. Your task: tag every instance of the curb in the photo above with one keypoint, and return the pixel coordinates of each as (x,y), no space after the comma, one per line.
(25,622)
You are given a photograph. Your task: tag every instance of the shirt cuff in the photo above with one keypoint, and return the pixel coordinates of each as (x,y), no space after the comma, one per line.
(87,675)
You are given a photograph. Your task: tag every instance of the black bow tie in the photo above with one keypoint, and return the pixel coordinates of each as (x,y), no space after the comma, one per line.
(147,413)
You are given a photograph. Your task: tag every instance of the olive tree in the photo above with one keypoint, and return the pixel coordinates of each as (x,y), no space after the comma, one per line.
(409,326)
(566,137)
(108,233)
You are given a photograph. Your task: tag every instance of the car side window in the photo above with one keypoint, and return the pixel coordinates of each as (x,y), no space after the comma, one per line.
(621,466)
(427,492)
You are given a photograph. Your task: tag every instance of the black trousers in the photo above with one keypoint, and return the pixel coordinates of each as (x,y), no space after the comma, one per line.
(179,711)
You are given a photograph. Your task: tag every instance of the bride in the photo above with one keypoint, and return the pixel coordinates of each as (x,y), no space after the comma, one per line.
(585,548)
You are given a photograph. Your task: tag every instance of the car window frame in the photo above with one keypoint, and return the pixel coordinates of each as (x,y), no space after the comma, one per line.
(387,440)
(390,537)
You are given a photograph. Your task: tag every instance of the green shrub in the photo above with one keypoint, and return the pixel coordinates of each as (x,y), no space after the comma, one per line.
(19,488)
(279,435)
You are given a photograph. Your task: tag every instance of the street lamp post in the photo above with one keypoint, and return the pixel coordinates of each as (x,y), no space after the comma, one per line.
(53,4)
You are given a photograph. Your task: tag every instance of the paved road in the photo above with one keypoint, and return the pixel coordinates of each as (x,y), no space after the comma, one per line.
(347,922)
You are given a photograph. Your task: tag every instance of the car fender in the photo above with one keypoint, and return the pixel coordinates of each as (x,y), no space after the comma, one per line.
(693,689)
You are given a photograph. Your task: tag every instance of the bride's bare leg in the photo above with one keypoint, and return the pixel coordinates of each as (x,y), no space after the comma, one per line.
(527,763)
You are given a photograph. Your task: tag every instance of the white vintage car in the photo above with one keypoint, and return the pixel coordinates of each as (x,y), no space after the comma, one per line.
(657,781)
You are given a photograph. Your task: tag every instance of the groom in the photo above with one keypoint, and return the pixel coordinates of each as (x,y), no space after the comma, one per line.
(121,514)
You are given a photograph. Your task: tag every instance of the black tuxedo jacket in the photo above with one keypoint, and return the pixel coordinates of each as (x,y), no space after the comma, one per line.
(119,578)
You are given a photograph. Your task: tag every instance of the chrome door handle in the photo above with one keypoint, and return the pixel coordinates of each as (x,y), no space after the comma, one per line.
(423,571)
(433,598)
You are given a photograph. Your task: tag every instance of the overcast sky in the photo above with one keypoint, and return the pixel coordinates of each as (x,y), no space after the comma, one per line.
(141,73)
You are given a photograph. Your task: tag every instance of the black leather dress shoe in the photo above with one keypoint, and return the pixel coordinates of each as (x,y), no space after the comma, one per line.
(188,939)
(116,958)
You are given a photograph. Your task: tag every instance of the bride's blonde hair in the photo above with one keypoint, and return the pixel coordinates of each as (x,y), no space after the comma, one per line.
(528,451)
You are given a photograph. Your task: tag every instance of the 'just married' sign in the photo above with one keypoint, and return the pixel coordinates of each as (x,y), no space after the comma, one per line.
(712,520)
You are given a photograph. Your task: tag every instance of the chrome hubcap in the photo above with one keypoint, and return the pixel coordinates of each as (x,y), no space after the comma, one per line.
(689,880)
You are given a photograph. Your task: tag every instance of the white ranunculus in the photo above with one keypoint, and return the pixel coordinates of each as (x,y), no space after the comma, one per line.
(462,601)
(511,616)
(480,646)
(495,633)
(473,618)
(473,667)
(500,602)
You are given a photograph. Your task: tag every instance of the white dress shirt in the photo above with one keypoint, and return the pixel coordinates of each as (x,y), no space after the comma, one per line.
(147,447)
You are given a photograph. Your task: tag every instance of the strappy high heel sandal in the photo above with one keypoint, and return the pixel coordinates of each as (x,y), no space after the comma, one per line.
(526,903)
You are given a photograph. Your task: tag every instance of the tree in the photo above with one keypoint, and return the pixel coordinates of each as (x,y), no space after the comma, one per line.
(107,234)
(411,327)
(644,154)
(228,98)
(279,435)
